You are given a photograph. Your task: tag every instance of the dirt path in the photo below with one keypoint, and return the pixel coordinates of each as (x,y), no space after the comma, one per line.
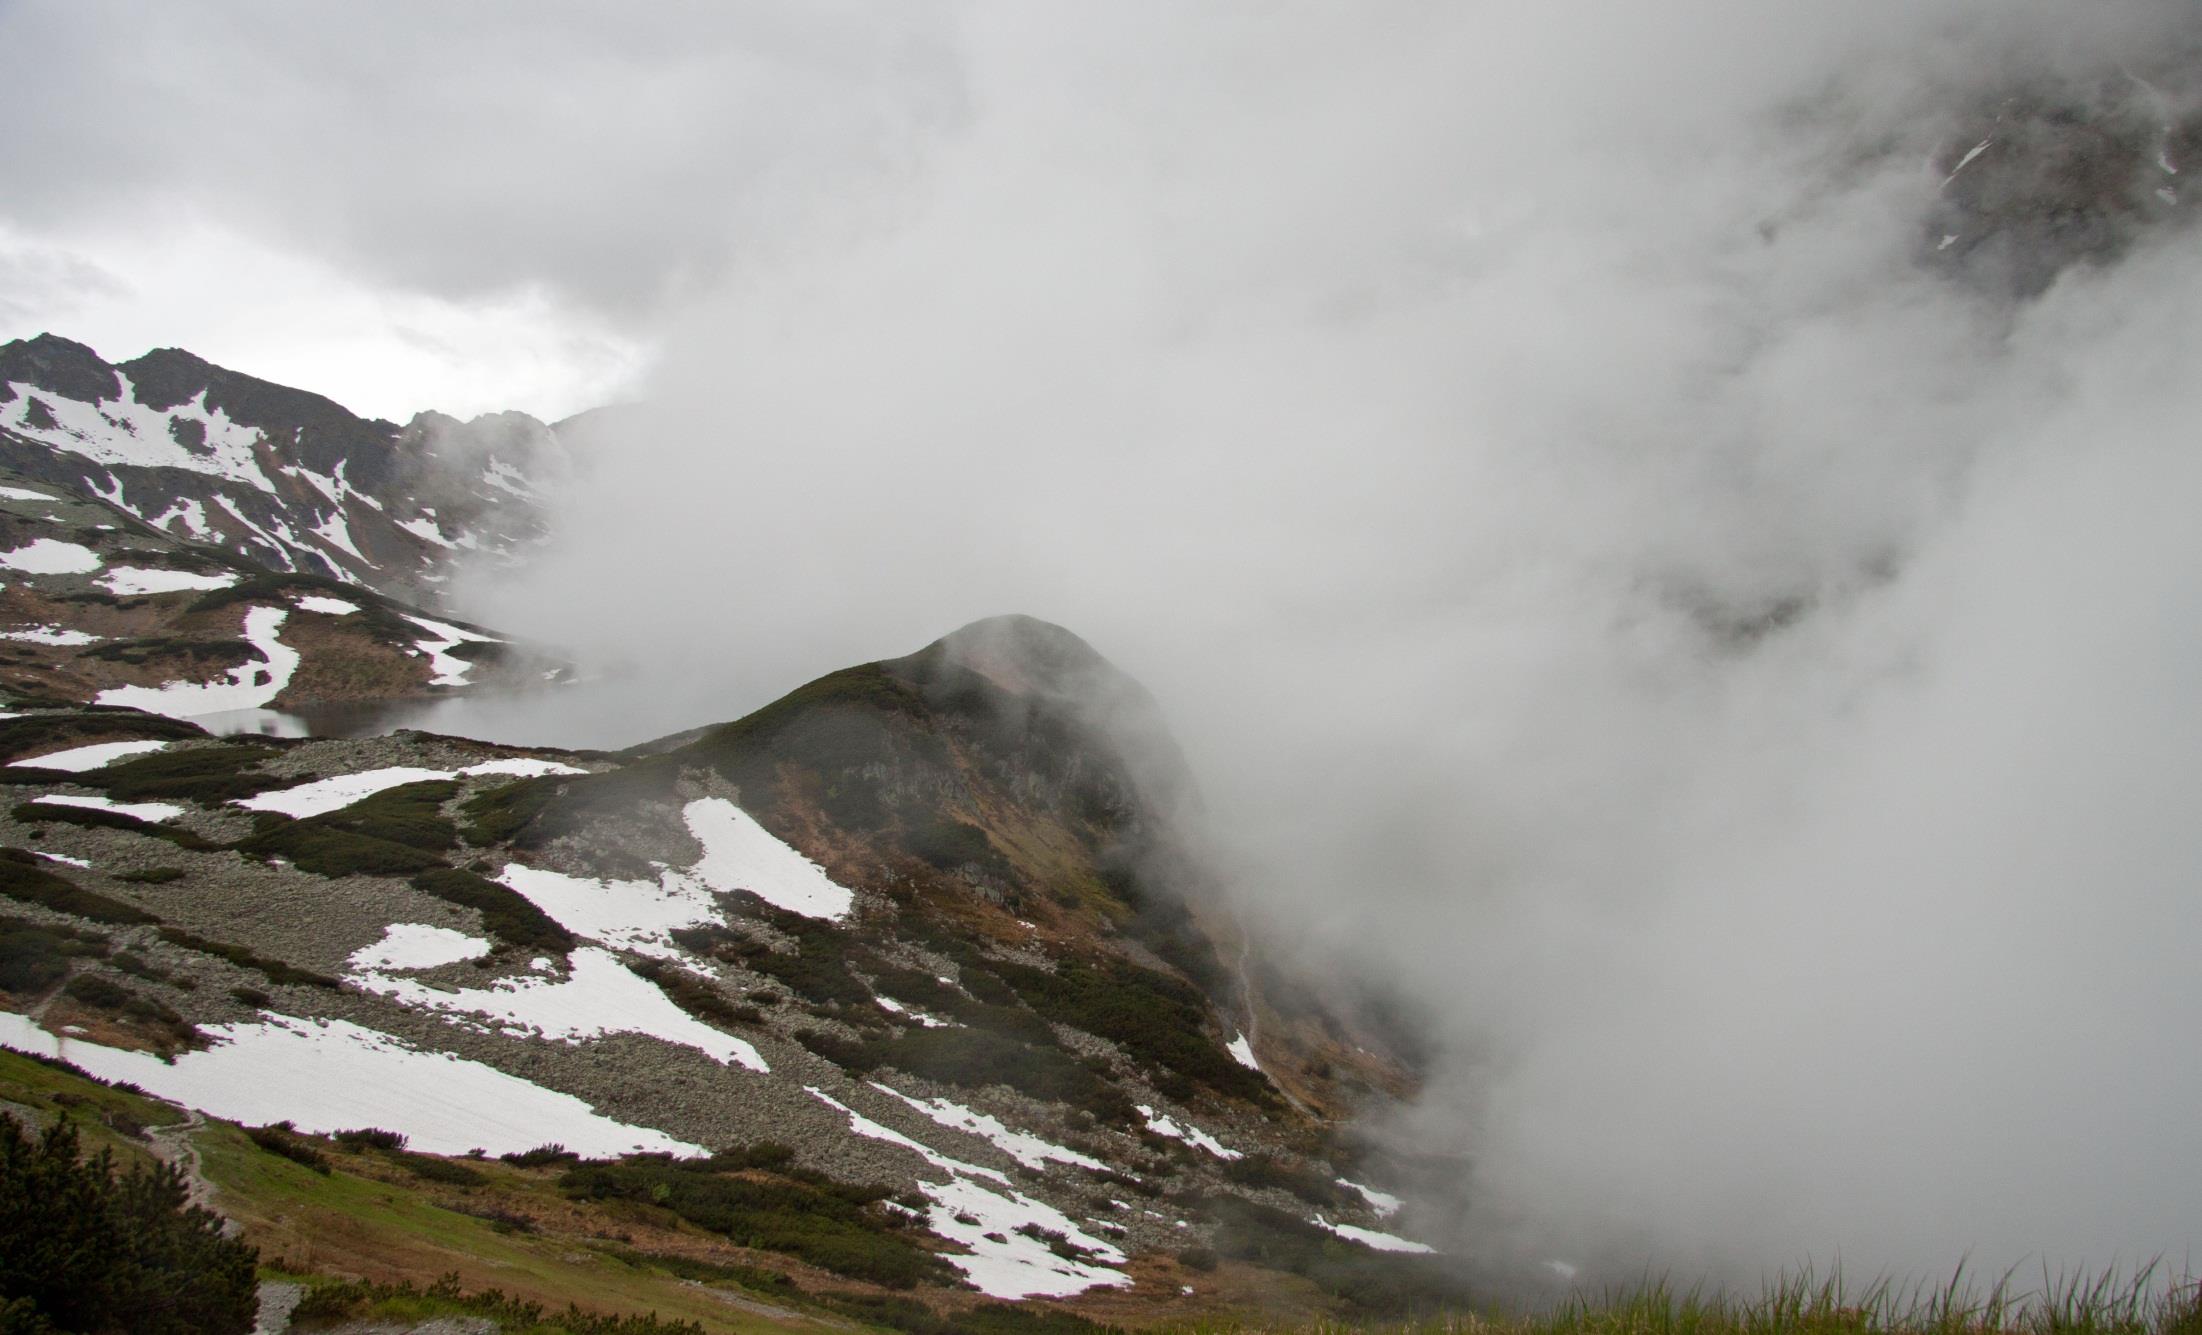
(171,1143)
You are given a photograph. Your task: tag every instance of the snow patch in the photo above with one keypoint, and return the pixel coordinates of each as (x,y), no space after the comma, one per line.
(449,671)
(334,794)
(329,1075)
(188,512)
(1017,1266)
(1026,1149)
(130,580)
(417,945)
(1242,1052)
(1369,1237)
(334,607)
(251,686)
(600,996)
(19,494)
(1384,1203)
(626,915)
(642,915)
(59,636)
(78,759)
(51,556)
(66,860)
(124,431)
(1190,1134)
(136,810)
(738,854)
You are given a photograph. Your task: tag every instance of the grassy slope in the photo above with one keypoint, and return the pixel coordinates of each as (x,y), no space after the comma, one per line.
(351,1225)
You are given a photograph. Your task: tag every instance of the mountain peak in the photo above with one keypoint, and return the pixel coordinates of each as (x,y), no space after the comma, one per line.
(1025,655)
(58,366)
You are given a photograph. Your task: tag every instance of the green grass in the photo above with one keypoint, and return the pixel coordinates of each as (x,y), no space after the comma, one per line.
(2108,1302)
(828,1224)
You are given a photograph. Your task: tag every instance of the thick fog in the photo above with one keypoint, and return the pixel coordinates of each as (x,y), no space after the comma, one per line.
(1741,678)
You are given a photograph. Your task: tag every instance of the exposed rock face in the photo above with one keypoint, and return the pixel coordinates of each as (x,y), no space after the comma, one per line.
(2042,177)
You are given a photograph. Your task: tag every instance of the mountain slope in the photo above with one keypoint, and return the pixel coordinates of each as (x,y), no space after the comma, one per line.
(277,476)
(928,929)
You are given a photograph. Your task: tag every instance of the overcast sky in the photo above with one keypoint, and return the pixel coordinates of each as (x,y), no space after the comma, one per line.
(1743,681)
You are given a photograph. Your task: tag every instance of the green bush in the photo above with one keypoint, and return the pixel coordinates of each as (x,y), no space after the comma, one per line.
(31,959)
(274,970)
(1378,1283)
(281,1139)
(495,815)
(397,832)
(94,818)
(696,995)
(506,913)
(370,1138)
(431,1169)
(542,1156)
(1262,1170)
(23,878)
(83,1249)
(1159,1020)
(947,843)
(347,1299)
(830,1225)
(208,775)
(152,875)
(973,1059)
(81,727)
(332,851)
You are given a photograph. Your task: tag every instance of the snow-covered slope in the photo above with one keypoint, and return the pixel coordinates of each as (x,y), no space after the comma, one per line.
(280,477)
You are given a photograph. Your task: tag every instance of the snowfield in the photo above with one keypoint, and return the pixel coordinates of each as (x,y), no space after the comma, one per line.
(1007,1264)
(1242,1052)
(1026,1149)
(1191,1135)
(78,759)
(334,794)
(1369,1237)
(417,945)
(601,996)
(138,810)
(333,1075)
(59,636)
(130,580)
(449,671)
(124,431)
(738,854)
(250,686)
(51,556)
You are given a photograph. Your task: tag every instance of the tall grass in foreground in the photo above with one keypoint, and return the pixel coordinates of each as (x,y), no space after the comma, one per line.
(2111,1302)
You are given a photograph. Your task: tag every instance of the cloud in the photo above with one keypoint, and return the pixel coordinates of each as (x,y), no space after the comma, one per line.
(1731,672)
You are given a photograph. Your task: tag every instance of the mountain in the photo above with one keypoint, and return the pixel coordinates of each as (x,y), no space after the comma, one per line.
(277,476)
(2039,177)
(190,541)
(908,984)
